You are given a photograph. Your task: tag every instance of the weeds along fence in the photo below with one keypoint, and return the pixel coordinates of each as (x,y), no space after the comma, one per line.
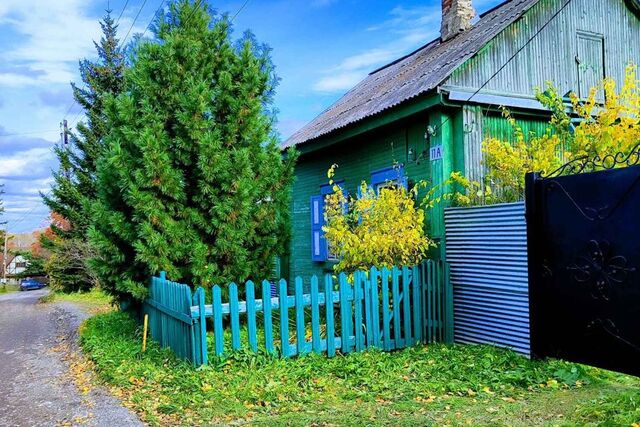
(380,308)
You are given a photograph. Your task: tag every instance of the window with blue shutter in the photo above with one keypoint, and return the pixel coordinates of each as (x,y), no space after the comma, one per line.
(392,176)
(319,247)
(318,242)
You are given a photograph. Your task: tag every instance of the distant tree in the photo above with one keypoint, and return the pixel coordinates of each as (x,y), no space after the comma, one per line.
(74,188)
(194,182)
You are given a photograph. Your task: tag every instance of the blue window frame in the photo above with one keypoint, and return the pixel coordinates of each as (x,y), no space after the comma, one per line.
(393,175)
(320,250)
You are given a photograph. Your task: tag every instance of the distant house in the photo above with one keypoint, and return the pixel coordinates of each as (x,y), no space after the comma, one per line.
(16,265)
(427,113)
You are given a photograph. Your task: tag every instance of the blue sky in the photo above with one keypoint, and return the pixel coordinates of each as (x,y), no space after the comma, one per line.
(321,48)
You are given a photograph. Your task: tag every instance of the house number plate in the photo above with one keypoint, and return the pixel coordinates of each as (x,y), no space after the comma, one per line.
(436,152)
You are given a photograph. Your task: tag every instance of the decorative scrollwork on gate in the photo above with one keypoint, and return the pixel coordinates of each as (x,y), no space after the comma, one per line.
(586,164)
(598,269)
(609,327)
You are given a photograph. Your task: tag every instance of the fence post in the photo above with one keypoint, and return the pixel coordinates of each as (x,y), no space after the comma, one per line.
(449,337)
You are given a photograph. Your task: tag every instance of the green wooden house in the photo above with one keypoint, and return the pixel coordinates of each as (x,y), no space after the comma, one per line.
(428,112)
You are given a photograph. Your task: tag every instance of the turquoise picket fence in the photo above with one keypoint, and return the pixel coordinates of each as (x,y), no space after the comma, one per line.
(382,308)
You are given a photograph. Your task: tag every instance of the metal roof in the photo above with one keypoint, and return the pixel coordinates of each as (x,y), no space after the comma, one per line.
(412,75)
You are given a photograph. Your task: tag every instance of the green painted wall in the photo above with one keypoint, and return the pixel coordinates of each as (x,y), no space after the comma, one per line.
(361,155)
(496,126)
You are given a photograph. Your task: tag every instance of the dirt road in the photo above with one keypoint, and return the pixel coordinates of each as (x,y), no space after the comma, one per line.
(37,345)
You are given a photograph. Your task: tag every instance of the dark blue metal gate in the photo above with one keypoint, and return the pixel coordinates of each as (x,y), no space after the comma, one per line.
(584,262)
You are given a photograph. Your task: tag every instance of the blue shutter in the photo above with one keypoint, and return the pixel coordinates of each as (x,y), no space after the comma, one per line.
(318,242)
(393,174)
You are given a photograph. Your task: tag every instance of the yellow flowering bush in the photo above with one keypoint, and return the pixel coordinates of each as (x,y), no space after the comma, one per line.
(507,162)
(602,129)
(612,127)
(382,230)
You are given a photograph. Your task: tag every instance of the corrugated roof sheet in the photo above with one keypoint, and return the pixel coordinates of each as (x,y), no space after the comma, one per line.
(412,75)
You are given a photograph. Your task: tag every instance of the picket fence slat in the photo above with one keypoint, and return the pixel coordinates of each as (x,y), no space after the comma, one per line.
(368,335)
(415,287)
(330,331)
(267,317)
(300,328)
(315,316)
(344,329)
(387,308)
(375,305)
(406,305)
(251,316)
(284,320)
(217,321)
(357,302)
(395,275)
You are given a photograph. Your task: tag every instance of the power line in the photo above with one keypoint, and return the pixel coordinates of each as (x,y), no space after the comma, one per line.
(537,33)
(122,11)
(153,17)
(240,10)
(5,135)
(23,217)
(134,22)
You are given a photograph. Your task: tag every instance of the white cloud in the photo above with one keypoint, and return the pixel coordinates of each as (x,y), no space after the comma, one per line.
(29,163)
(410,28)
(340,81)
(54,35)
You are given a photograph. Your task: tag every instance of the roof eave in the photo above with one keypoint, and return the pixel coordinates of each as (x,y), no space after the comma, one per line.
(406,109)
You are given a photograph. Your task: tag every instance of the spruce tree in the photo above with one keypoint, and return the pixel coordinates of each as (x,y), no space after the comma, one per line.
(73,191)
(193,182)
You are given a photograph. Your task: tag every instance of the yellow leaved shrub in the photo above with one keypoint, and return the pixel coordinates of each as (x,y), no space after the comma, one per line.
(604,124)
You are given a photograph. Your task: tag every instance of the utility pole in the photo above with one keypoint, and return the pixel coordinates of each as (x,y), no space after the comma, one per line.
(4,256)
(64,139)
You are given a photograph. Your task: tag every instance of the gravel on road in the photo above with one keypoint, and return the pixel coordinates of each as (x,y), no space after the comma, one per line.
(38,352)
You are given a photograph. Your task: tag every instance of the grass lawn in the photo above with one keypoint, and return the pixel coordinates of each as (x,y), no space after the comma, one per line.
(5,289)
(95,301)
(424,385)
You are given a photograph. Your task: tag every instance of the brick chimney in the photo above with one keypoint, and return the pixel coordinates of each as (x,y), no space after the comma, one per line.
(456,18)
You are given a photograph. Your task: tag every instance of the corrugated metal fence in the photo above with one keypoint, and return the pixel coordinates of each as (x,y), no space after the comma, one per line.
(486,248)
